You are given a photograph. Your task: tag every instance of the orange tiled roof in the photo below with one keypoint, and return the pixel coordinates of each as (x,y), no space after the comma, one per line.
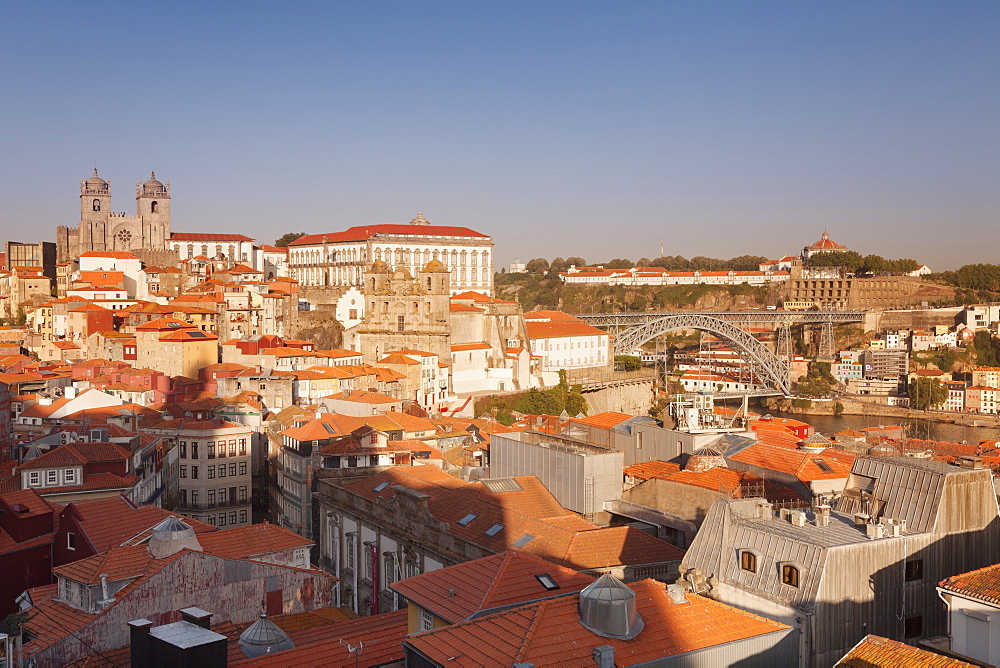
(251,541)
(983,584)
(499,580)
(605,420)
(799,463)
(879,652)
(114,521)
(549,632)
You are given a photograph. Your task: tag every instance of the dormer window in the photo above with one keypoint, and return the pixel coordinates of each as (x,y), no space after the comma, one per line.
(790,575)
(748,561)
(51,478)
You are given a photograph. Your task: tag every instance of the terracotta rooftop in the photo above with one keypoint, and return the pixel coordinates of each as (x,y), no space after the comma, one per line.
(461,591)
(879,652)
(803,465)
(550,633)
(604,420)
(251,541)
(982,584)
(114,521)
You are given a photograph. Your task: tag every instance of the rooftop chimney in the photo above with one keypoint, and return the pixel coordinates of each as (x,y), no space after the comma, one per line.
(604,656)
(676,593)
(138,634)
(198,617)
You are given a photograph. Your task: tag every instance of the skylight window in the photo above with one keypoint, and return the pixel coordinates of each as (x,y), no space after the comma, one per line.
(823,466)
(494,530)
(523,540)
(547,581)
(381,486)
(464,522)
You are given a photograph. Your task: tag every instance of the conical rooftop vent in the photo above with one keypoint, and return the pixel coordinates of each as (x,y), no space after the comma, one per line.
(264,637)
(815,443)
(883,449)
(607,607)
(707,451)
(170,537)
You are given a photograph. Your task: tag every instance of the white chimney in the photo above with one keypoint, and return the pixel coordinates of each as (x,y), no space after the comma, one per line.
(69,392)
(676,593)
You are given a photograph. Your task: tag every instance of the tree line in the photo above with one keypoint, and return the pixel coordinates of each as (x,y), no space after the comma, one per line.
(863,265)
(541,266)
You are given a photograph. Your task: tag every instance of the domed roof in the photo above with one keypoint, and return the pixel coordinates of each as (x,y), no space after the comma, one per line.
(826,242)
(171,536)
(608,608)
(264,637)
(379,267)
(436,266)
(96,180)
(152,186)
(420,220)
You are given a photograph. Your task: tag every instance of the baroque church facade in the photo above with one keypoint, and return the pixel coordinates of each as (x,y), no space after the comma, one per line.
(101,229)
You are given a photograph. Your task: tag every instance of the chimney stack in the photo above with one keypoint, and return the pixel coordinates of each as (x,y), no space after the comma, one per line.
(138,634)
(198,617)
(604,656)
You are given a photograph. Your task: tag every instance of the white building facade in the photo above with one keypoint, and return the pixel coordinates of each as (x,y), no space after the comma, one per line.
(341,258)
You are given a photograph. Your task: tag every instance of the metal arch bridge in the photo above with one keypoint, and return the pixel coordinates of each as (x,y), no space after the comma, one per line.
(746,317)
(763,363)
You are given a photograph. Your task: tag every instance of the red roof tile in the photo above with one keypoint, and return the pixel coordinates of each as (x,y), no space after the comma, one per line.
(879,652)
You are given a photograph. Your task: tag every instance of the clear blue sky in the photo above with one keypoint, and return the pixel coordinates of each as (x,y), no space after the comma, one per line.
(561,128)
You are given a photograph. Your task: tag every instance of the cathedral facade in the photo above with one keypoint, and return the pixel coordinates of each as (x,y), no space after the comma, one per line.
(101,229)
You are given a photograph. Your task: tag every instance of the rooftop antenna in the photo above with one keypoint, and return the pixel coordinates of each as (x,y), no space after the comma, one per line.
(661,249)
(354,651)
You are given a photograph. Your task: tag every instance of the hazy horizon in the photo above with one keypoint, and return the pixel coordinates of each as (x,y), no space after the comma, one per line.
(591,129)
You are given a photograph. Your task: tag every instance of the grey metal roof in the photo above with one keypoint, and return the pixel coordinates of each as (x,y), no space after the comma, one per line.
(185,634)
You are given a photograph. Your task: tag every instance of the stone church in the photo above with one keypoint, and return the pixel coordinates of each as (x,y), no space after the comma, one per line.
(101,229)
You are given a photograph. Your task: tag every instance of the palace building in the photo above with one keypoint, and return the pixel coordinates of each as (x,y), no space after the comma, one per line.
(101,229)
(340,259)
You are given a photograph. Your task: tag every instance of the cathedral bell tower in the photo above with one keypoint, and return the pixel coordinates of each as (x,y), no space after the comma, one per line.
(95,199)
(152,204)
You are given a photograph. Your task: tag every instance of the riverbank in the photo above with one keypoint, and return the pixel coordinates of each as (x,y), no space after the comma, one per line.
(854,406)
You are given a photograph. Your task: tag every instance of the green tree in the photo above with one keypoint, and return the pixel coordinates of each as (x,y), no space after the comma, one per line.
(575,261)
(927,393)
(618,263)
(537,266)
(627,362)
(288,238)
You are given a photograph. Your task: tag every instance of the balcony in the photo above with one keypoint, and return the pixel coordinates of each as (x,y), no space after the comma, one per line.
(196,507)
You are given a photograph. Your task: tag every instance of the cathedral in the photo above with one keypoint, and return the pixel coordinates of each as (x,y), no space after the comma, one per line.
(100,229)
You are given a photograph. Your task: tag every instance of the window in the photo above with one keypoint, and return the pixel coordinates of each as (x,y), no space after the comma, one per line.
(222,496)
(194,450)
(243,494)
(184,471)
(211,497)
(914,570)
(232,469)
(381,486)
(823,466)
(70,541)
(232,448)
(368,562)
(426,619)
(547,581)
(34,478)
(400,323)
(494,530)
(51,477)
(184,450)
(184,497)
(467,519)
(748,561)
(913,627)
(70,476)
(153,206)
(243,516)
(232,517)
(349,540)
(96,204)
(194,497)
(243,468)
(790,575)
(211,450)
(194,472)
(211,471)
(222,520)
(243,447)
(222,471)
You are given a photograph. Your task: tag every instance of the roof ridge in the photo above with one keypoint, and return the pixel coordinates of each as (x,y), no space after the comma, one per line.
(532,628)
(505,560)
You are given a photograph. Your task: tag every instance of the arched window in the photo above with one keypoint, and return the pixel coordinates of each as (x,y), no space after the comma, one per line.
(428,283)
(748,561)
(97,205)
(218,250)
(378,254)
(232,252)
(190,250)
(473,274)
(153,206)
(204,250)
(789,575)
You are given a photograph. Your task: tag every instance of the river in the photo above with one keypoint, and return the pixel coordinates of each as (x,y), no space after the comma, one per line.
(925,429)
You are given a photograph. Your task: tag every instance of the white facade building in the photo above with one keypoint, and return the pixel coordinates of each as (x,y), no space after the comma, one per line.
(341,258)
(235,247)
(564,342)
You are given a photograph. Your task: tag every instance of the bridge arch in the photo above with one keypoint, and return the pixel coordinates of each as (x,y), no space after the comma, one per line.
(766,365)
